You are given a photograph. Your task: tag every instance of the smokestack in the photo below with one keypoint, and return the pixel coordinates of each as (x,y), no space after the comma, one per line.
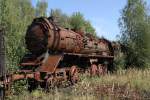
(2,53)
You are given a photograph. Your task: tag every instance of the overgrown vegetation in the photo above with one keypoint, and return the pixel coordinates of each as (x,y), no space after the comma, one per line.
(124,84)
(76,21)
(135,33)
(16,15)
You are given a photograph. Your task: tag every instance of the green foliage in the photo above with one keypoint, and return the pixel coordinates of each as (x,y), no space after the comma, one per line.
(19,87)
(41,8)
(135,30)
(89,28)
(76,21)
(61,18)
(15,16)
(119,61)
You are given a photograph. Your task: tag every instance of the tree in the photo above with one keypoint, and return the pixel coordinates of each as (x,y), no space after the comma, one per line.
(77,21)
(89,28)
(62,18)
(15,16)
(134,33)
(41,8)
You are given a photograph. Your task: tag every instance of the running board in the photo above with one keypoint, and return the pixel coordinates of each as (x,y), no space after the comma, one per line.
(51,63)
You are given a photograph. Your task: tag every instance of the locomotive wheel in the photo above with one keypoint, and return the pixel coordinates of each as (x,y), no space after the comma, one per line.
(50,84)
(93,70)
(100,70)
(2,93)
(73,75)
(104,69)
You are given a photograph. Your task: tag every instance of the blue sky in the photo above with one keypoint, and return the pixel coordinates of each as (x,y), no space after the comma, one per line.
(103,14)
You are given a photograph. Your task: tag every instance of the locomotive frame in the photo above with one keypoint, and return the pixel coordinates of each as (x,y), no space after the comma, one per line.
(62,67)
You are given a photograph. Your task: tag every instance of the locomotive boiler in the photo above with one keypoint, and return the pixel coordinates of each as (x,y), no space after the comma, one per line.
(43,34)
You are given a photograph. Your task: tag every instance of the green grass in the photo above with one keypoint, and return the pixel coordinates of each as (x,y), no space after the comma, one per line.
(124,84)
(137,79)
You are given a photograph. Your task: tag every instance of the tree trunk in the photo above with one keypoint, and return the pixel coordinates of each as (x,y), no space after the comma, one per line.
(2,53)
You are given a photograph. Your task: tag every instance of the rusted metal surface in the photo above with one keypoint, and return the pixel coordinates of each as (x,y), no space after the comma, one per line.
(93,70)
(43,34)
(70,41)
(74,74)
(22,76)
(29,63)
(89,55)
(98,70)
(50,63)
(101,69)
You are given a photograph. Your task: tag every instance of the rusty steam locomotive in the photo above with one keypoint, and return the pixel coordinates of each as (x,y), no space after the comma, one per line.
(58,54)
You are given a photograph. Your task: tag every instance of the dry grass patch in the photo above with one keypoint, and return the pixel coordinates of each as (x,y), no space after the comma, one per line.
(124,84)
